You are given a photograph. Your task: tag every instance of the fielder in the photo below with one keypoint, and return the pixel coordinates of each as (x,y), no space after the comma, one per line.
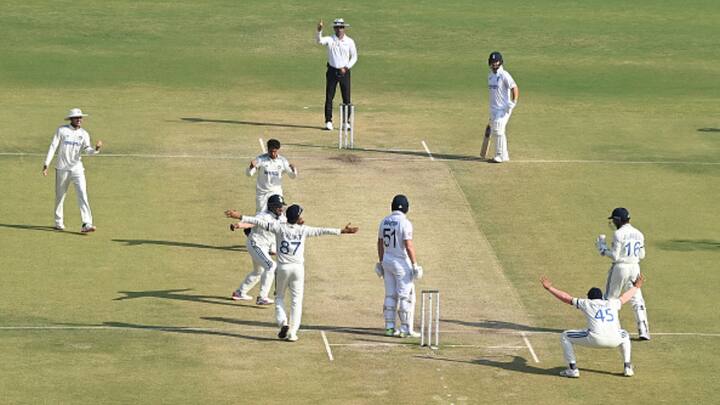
(290,240)
(69,141)
(504,95)
(628,248)
(261,245)
(397,265)
(269,167)
(603,325)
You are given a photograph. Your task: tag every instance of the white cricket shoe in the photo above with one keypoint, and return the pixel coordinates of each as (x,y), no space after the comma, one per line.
(264,301)
(238,296)
(497,159)
(629,372)
(87,228)
(570,373)
(329,126)
(291,337)
(59,227)
(347,126)
(411,334)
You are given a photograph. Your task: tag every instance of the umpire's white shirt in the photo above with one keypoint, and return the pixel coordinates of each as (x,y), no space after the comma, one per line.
(628,246)
(270,172)
(290,238)
(499,86)
(341,52)
(394,230)
(602,315)
(70,142)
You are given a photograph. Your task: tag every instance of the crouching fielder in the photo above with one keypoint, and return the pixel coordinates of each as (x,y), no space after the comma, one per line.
(398,267)
(603,325)
(290,273)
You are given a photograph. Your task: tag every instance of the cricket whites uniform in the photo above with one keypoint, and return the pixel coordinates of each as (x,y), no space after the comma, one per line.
(394,230)
(70,142)
(290,273)
(342,53)
(628,248)
(603,328)
(259,244)
(269,178)
(500,84)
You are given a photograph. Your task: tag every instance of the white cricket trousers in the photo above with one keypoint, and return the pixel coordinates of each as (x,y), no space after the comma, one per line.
(399,294)
(585,338)
(498,122)
(63,178)
(289,277)
(620,279)
(263,270)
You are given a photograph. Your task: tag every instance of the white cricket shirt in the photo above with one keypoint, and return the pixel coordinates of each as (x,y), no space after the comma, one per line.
(290,238)
(394,230)
(262,237)
(602,315)
(499,85)
(269,179)
(628,245)
(70,142)
(341,52)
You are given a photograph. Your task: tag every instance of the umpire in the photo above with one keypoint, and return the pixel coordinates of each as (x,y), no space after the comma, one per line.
(342,56)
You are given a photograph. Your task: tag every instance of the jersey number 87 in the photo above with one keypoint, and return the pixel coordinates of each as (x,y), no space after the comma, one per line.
(285,247)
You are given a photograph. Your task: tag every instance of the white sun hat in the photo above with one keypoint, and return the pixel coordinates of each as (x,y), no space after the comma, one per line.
(339,22)
(74,113)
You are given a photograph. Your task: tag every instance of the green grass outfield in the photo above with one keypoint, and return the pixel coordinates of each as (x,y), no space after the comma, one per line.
(618,107)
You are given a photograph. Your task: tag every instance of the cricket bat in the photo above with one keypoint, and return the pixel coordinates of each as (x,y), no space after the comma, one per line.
(486,143)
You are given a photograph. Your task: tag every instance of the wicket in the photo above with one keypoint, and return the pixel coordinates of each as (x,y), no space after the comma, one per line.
(346,137)
(428,296)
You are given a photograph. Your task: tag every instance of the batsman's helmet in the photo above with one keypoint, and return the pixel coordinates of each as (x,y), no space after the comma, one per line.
(293,213)
(620,214)
(400,203)
(495,56)
(594,294)
(274,202)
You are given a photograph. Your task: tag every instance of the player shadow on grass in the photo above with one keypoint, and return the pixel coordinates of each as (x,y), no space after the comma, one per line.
(490,324)
(708,129)
(687,245)
(417,153)
(41,228)
(304,326)
(185,330)
(255,123)
(178,294)
(138,242)
(517,364)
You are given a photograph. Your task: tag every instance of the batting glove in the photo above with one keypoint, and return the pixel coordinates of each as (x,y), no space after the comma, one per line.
(379,270)
(417,272)
(511,105)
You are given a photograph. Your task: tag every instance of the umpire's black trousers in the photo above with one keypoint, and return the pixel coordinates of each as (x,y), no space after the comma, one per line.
(332,78)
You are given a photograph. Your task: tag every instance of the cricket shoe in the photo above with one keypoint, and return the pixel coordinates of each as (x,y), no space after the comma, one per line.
(410,334)
(264,301)
(238,296)
(645,337)
(87,228)
(390,332)
(292,337)
(570,373)
(496,159)
(347,127)
(629,372)
(283,332)
(329,126)
(59,227)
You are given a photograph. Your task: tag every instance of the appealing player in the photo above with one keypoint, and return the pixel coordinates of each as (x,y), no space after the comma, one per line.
(269,167)
(397,265)
(628,248)
(504,95)
(261,245)
(290,240)
(70,140)
(603,325)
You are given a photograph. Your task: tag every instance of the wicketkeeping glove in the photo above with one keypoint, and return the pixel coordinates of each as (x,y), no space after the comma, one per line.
(600,244)
(379,269)
(417,272)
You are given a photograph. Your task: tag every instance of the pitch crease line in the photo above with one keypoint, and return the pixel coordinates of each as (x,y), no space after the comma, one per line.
(529,346)
(427,150)
(327,345)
